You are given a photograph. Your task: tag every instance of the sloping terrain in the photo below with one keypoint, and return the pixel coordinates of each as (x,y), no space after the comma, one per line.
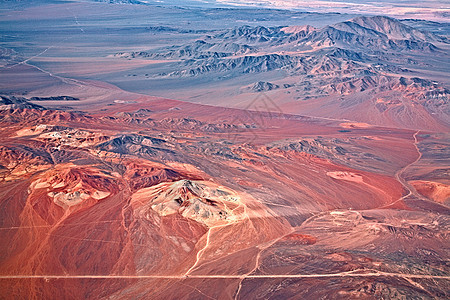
(314,165)
(158,200)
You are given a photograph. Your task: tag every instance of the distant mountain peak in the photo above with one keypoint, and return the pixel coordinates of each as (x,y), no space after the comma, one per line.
(393,28)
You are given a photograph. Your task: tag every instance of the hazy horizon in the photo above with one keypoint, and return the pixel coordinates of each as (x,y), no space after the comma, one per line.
(428,10)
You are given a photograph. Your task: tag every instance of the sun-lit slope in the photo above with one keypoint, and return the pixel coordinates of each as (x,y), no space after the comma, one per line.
(194,200)
(148,192)
(438,192)
(78,220)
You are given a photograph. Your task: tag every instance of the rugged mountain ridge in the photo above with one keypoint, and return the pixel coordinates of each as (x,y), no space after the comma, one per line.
(12,103)
(367,33)
(376,58)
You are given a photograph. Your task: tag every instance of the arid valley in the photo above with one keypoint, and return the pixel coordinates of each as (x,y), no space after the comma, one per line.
(215,150)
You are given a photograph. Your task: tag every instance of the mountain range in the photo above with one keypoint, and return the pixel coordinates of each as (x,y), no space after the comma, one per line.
(379,58)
